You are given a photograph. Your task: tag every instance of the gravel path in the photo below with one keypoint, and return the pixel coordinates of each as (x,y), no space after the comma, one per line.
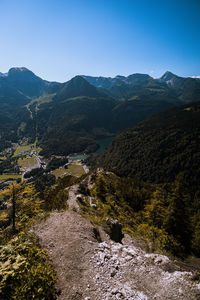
(70,242)
(72,203)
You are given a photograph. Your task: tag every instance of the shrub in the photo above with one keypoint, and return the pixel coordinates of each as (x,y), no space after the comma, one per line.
(25,272)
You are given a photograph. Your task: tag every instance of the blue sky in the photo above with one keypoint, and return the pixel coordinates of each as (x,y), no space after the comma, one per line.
(58,39)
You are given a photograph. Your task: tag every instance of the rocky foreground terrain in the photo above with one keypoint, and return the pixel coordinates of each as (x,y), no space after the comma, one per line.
(90,269)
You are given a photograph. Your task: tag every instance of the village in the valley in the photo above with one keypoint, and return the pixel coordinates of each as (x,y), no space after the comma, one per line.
(19,160)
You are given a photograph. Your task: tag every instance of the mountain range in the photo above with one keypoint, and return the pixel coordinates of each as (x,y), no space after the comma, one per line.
(69,117)
(143,85)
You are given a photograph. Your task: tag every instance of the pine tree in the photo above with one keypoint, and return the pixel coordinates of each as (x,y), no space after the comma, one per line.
(195,244)
(23,203)
(177,221)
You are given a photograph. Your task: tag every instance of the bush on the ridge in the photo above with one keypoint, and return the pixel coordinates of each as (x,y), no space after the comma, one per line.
(25,272)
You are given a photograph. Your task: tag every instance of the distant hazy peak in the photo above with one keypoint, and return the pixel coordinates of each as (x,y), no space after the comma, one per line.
(138,75)
(19,70)
(109,82)
(134,75)
(97,77)
(120,77)
(23,75)
(78,78)
(3,74)
(79,81)
(78,86)
(168,76)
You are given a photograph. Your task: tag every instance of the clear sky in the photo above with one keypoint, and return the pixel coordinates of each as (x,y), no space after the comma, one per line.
(58,39)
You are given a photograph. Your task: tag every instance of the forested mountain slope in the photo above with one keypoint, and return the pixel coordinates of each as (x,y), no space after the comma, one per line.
(17,88)
(159,148)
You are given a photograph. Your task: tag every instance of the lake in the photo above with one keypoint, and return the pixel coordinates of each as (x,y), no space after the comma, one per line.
(103,144)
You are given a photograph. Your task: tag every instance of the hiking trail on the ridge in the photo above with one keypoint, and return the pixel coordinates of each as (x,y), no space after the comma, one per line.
(89,270)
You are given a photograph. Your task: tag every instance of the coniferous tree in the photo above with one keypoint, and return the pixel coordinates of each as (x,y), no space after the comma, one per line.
(177,221)
(195,243)
(23,203)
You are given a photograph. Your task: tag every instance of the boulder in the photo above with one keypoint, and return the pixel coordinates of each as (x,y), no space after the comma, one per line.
(115,230)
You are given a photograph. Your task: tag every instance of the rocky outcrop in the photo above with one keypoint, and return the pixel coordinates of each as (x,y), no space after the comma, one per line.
(115,230)
(127,272)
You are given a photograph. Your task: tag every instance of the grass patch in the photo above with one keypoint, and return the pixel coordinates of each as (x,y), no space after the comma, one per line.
(35,147)
(26,148)
(73,169)
(27,162)
(9,176)
(22,148)
(59,172)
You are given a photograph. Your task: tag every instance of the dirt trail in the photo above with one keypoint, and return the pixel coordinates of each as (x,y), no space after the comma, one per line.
(70,242)
(72,197)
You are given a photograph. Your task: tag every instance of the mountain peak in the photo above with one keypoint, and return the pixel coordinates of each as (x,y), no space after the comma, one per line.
(120,77)
(78,86)
(20,71)
(25,81)
(78,79)
(167,76)
(137,77)
(79,82)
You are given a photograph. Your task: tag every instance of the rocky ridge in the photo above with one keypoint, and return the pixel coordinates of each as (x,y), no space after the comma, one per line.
(92,270)
(124,271)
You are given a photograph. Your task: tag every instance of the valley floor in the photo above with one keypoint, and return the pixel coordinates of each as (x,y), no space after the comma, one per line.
(89,270)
